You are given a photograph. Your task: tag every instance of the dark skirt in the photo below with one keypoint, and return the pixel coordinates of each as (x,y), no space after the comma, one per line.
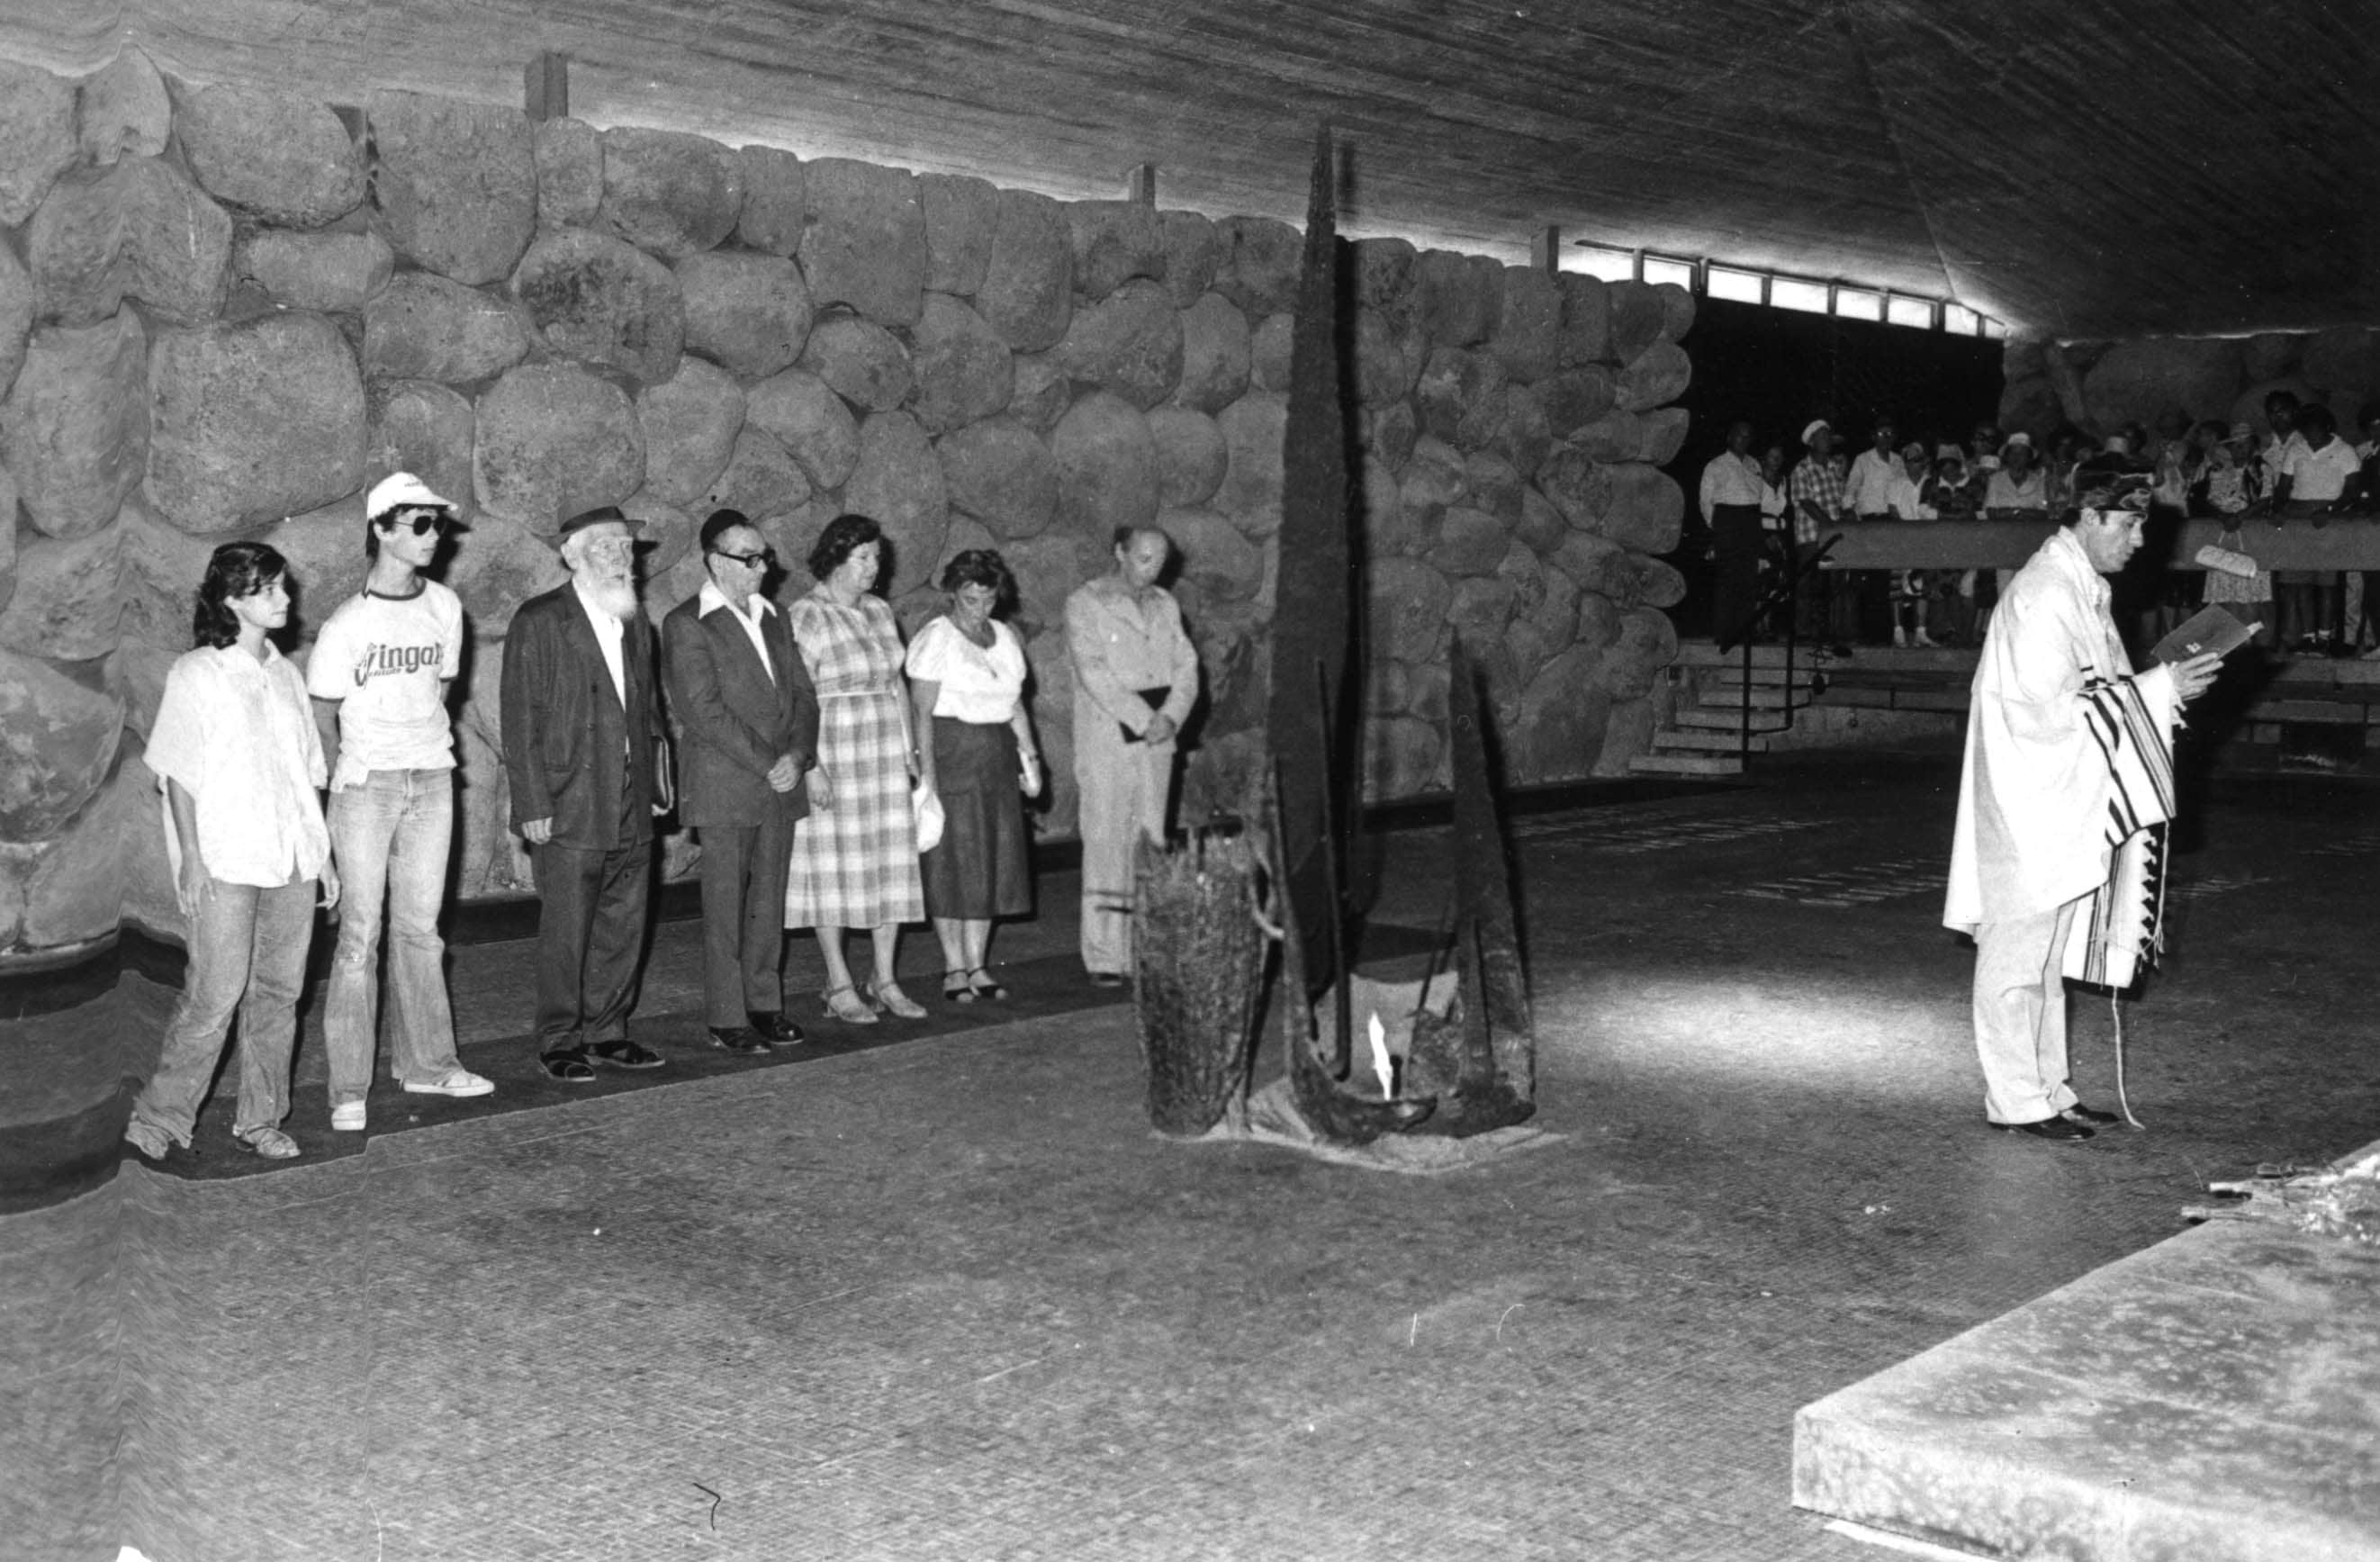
(979,868)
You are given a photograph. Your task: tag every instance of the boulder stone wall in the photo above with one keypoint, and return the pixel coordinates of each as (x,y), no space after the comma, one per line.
(224,314)
(2165,383)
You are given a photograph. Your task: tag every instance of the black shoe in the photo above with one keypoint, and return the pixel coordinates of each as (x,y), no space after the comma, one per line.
(1838,649)
(1106,979)
(2048,1128)
(735,1038)
(774,1027)
(623,1054)
(569,1065)
(2089,1117)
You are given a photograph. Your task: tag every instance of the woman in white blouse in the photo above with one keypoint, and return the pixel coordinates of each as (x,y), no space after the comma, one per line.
(967,679)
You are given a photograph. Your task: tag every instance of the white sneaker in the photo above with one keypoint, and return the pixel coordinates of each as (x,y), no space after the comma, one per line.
(458,1081)
(347,1116)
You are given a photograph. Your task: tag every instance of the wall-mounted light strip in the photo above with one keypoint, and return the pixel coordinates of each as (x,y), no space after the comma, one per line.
(1748,285)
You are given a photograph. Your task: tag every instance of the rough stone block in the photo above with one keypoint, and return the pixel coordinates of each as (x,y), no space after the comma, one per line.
(1563,715)
(600,301)
(252,422)
(751,314)
(1047,568)
(1638,317)
(325,550)
(2148,380)
(997,471)
(1541,526)
(122,111)
(553,440)
(427,430)
(1492,483)
(1646,645)
(1260,275)
(667,544)
(1527,340)
(74,430)
(2030,405)
(569,158)
(1269,353)
(776,200)
(1106,466)
(2269,355)
(1195,249)
(335,273)
(1595,618)
(1677,311)
(1657,375)
(762,477)
(1647,508)
(1597,566)
(1452,299)
(862,361)
(1575,397)
(37,136)
(1215,556)
(1215,354)
(1520,569)
(1114,241)
(424,326)
(864,244)
(1129,342)
(1434,479)
(1659,584)
(138,229)
(1664,433)
(1191,456)
(1469,542)
(455,183)
(1253,428)
(1460,395)
(1392,433)
(1522,436)
(1616,435)
(1479,610)
(1401,758)
(1028,288)
(58,739)
(280,156)
(16,315)
(67,607)
(79,890)
(1557,617)
(1579,485)
(961,214)
(1388,359)
(1384,274)
(498,566)
(899,481)
(668,192)
(160,569)
(1043,394)
(809,421)
(964,371)
(690,422)
(1381,514)
(1408,602)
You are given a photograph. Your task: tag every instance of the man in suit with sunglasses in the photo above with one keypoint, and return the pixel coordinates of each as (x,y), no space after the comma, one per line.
(747,719)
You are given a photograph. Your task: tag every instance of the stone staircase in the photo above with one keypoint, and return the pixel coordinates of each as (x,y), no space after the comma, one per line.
(1709,729)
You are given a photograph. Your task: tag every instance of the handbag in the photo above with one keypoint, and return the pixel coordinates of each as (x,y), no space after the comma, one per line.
(926,809)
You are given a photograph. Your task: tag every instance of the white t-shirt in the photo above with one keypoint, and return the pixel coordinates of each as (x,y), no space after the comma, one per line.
(2321,475)
(386,661)
(978,685)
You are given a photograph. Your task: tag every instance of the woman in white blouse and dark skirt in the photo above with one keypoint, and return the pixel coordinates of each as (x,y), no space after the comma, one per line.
(966,675)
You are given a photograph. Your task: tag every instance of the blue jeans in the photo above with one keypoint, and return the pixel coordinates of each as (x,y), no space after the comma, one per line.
(390,836)
(246,952)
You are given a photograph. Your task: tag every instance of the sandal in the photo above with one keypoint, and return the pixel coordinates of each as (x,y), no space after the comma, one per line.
(890,998)
(983,986)
(270,1143)
(956,989)
(844,1004)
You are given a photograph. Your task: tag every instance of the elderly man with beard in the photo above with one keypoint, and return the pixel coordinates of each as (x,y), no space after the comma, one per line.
(589,768)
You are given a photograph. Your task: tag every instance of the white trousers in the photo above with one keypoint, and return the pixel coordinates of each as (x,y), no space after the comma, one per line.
(1126,789)
(2021,1014)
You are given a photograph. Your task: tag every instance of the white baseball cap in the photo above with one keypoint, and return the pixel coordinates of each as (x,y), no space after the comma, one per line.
(403,491)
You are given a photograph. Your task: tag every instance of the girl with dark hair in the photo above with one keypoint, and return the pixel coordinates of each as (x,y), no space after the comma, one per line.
(855,857)
(966,683)
(239,761)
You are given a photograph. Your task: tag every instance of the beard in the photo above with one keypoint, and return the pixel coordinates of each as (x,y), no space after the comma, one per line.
(616,594)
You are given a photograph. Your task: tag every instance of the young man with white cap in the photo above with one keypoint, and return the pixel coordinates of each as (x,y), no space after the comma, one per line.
(379,675)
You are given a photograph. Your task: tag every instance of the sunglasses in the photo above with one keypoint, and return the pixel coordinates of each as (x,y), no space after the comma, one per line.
(766,555)
(420,523)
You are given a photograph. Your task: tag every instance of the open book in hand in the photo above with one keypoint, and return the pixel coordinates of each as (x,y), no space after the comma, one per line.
(2211,628)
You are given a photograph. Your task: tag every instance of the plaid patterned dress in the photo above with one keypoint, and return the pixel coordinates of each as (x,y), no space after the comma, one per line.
(854,862)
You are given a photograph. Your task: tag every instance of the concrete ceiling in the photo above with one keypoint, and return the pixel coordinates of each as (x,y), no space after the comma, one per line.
(2114,168)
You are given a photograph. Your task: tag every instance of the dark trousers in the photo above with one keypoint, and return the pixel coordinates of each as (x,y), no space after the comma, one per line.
(1735,573)
(744,869)
(591,930)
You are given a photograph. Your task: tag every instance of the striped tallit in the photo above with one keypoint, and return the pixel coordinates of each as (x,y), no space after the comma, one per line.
(2121,926)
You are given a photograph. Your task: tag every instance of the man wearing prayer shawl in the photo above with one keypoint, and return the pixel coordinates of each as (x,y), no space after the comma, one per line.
(2068,761)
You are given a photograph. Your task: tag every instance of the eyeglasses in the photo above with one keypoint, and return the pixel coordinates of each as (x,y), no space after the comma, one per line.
(420,523)
(765,557)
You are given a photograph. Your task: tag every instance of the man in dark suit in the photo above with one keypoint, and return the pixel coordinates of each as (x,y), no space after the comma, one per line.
(589,763)
(747,721)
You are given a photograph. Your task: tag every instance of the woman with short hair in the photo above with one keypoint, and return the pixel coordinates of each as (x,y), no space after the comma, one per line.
(237,754)
(855,857)
(966,685)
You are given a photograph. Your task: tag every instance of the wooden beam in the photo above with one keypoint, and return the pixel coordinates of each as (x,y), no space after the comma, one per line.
(545,86)
(1140,184)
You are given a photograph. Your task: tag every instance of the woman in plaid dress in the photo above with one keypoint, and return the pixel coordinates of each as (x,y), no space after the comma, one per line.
(854,862)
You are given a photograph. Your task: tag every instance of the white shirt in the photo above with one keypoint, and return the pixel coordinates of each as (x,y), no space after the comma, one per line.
(1730,479)
(608,633)
(1869,489)
(238,735)
(386,661)
(711,599)
(2005,492)
(978,684)
(2320,475)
